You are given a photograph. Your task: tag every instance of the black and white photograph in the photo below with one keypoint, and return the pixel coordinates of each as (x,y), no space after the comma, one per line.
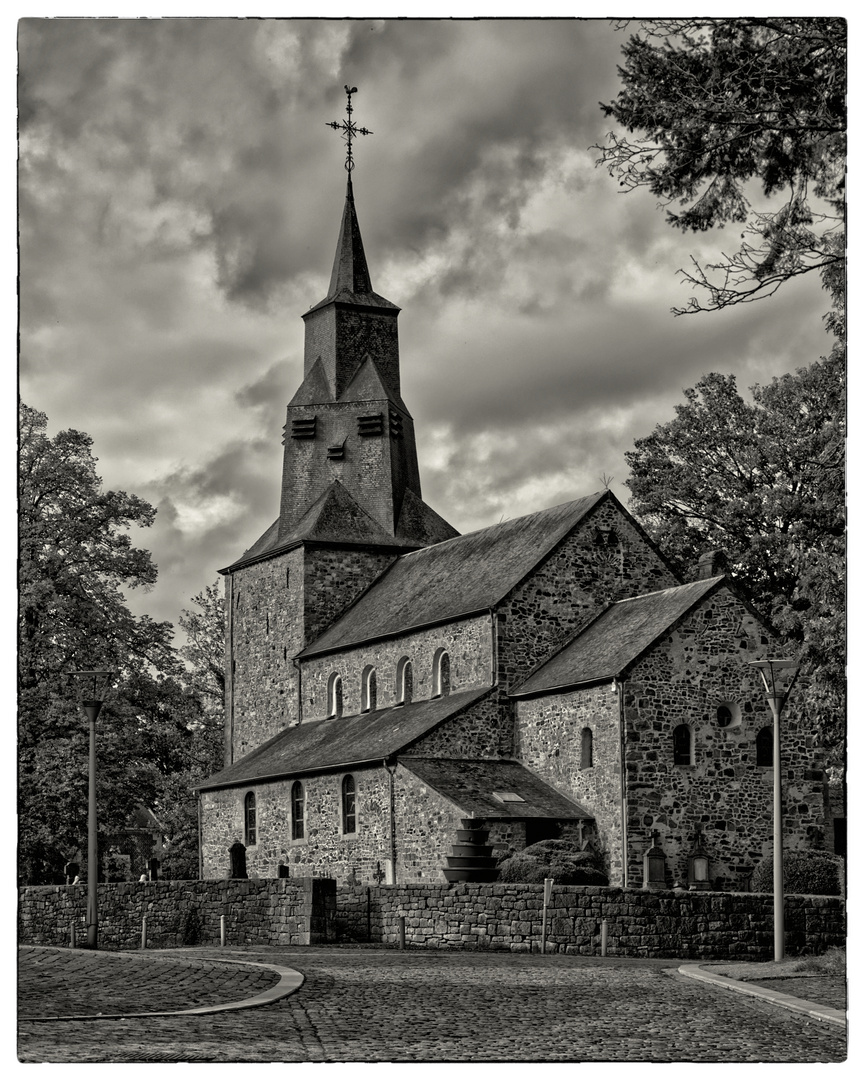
(431,539)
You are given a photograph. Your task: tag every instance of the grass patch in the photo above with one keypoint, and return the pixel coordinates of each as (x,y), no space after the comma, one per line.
(832,962)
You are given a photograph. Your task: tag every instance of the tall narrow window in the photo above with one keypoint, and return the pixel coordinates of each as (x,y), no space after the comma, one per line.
(404,681)
(369,690)
(441,673)
(250,830)
(298,801)
(587,760)
(349,805)
(334,695)
(682,745)
(765,747)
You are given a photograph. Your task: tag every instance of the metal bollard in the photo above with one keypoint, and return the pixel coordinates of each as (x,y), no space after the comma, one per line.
(144,932)
(401,931)
(222,931)
(604,931)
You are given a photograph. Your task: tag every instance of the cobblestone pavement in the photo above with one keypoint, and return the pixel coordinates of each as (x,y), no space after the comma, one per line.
(63,982)
(365,1005)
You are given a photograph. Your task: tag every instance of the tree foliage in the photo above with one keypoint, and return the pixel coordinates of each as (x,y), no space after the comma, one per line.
(204,681)
(76,560)
(764,481)
(721,104)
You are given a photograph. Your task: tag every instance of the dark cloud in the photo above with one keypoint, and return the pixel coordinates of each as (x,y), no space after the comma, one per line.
(179,203)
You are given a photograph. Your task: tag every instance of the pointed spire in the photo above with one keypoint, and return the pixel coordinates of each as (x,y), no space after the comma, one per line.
(350,272)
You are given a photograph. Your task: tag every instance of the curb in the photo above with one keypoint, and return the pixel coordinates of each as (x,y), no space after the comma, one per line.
(785,1001)
(289,982)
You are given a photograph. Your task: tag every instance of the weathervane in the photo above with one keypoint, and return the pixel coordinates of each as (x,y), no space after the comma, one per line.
(348,128)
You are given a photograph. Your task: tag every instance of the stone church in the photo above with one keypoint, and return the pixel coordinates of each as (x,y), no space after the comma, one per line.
(388,678)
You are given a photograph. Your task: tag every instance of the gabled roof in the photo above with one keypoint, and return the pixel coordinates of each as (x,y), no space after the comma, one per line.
(337,518)
(458,577)
(314,389)
(616,638)
(471,784)
(346,741)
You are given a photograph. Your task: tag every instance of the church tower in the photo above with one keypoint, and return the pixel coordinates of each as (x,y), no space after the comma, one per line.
(350,500)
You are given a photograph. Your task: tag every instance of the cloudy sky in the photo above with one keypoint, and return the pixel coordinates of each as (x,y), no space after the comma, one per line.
(180,197)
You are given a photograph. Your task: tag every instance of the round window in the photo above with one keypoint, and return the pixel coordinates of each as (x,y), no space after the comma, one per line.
(728,714)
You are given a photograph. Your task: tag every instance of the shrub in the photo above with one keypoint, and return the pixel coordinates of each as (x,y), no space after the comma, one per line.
(562,860)
(190,927)
(813,873)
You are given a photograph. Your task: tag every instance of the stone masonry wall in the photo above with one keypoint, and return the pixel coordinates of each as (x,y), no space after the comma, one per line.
(264,604)
(567,590)
(483,730)
(267,627)
(333,579)
(425,827)
(468,644)
(274,912)
(721,926)
(700,665)
(324,849)
(548,740)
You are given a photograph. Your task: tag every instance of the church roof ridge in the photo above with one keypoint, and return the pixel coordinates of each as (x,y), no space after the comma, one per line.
(507,522)
(454,578)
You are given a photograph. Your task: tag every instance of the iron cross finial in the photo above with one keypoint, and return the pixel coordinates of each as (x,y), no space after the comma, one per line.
(348,128)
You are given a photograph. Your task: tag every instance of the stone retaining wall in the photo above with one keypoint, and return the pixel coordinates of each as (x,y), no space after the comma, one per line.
(707,925)
(298,911)
(310,911)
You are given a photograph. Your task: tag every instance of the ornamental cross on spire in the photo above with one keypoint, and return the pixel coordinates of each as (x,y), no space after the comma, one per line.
(349,129)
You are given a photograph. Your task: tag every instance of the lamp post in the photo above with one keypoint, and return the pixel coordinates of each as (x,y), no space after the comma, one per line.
(777,698)
(99,683)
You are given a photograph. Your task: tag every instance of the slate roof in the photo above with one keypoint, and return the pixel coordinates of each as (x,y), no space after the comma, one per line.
(467,574)
(348,740)
(337,518)
(470,784)
(616,638)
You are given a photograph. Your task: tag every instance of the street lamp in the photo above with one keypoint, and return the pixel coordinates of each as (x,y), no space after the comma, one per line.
(777,698)
(99,682)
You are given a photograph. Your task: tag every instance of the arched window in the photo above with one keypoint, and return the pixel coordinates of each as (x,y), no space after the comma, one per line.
(682,744)
(334,695)
(441,673)
(250,831)
(298,803)
(765,747)
(404,681)
(369,689)
(587,761)
(349,805)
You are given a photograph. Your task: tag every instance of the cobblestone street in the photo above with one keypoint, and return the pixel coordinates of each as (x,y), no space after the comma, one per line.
(366,1005)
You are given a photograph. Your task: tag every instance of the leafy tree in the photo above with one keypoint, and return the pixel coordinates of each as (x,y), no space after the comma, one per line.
(721,104)
(764,481)
(204,682)
(204,651)
(76,557)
